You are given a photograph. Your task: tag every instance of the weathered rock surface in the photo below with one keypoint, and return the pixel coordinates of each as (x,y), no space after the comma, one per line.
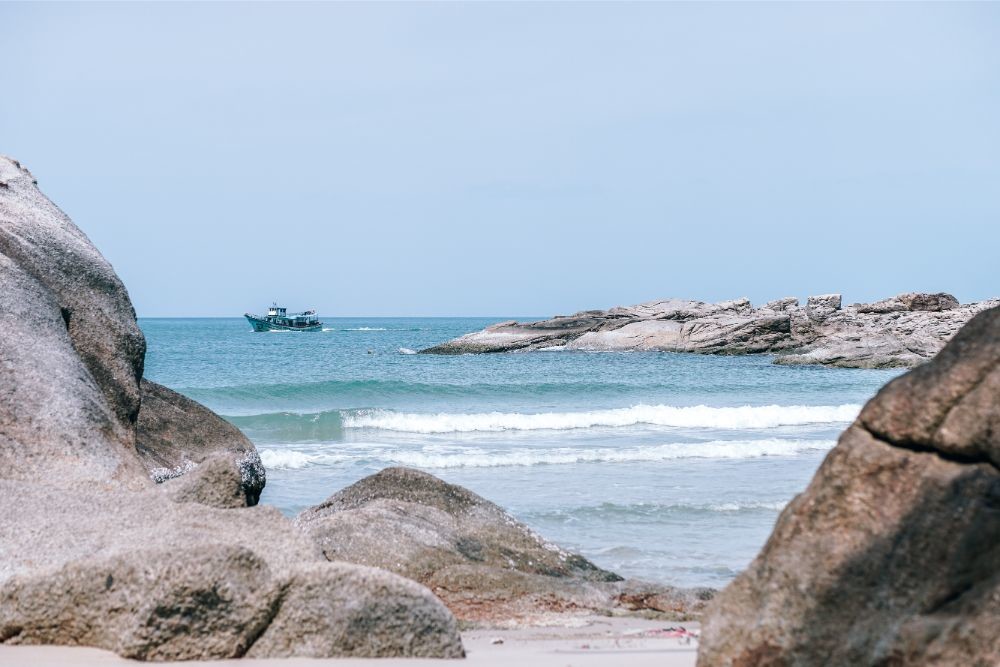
(92,552)
(45,244)
(892,554)
(899,332)
(348,610)
(484,564)
(175,434)
(216,482)
(156,576)
(70,352)
(154,605)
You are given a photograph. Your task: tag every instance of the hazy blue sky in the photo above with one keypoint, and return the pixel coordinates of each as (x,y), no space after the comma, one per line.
(467,159)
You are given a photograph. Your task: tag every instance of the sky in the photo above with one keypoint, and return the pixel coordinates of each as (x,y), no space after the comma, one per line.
(513,158)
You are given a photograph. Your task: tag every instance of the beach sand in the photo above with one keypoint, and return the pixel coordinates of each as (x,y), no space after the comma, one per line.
(596,641)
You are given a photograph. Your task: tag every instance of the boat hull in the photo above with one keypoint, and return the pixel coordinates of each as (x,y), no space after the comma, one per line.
(260,324)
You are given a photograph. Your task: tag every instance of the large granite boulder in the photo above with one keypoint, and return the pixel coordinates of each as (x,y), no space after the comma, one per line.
(92,552)
(158,575)
(485,565)
(45,244)
(70,352)
(71,359)
(175,434)
(903,331)
(891,556)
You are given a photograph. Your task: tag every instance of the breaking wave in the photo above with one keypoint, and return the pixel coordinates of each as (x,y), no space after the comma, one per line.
(700,416)
(287,459)
(438,458)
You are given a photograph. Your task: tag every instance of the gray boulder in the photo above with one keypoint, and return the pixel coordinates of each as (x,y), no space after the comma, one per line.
(175,434)
(890,556)
(204,601)
(92,302)
(216,482)
(195,581)
(455,527)
(485,565)
(70,352)
(337,609)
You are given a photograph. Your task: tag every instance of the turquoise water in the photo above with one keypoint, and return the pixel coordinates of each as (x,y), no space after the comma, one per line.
(669,467)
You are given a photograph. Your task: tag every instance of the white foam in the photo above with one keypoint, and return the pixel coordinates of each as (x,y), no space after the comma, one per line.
(701,416)
(367,329)
(289,459)
(751,505)
(719,449)
(406,350)
(455,457)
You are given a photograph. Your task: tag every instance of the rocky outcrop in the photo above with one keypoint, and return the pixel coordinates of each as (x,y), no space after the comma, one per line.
(891,555)
(156,575)
(92,551)
(480,561)
(899,332)
(92,303)
(175,434)
(71,353)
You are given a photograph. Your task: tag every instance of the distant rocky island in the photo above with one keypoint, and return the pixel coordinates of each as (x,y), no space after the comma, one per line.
(899,332)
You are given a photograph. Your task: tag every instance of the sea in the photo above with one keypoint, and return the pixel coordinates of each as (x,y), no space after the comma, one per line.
(661,466)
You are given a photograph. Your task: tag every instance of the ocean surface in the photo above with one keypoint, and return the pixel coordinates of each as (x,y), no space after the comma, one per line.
(669,467)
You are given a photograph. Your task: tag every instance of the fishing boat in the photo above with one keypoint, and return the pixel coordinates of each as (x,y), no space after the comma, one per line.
(277,319)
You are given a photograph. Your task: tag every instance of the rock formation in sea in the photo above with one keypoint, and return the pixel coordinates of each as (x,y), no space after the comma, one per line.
(485,565)
(92,551)
(902,331)
(891,555)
